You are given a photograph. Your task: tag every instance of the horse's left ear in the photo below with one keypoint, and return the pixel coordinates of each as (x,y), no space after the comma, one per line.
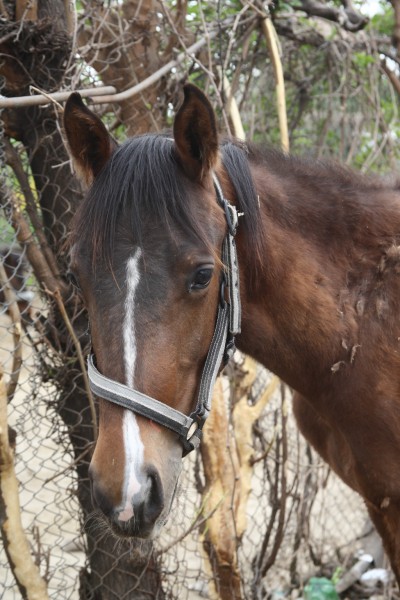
(195,134)
(90,144)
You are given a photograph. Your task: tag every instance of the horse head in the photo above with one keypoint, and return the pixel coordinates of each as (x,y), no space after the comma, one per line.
(147,254)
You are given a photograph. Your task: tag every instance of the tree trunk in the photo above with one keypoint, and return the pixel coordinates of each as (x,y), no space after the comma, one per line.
(124,52)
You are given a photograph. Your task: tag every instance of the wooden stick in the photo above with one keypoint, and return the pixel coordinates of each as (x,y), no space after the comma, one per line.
(232,108)
(13,310)
(271,39)
(21,101)
(26,573)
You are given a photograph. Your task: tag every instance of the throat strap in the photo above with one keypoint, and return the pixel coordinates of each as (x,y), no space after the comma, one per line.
(222,347)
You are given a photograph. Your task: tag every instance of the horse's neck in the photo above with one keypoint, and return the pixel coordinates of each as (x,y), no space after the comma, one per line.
(299,322)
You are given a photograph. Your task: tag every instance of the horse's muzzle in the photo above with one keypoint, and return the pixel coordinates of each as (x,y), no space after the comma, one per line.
(144,507)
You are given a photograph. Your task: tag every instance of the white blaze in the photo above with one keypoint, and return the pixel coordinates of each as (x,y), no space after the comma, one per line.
(132,281)
(133,445)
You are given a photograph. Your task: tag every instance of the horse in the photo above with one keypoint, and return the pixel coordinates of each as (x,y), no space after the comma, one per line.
(184,238)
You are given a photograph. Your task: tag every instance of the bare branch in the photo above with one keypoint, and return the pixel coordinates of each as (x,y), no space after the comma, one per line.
(26,239)
(105,99)
(57,296)
(40,99)
(14,161)
(394,80)
(347,17)
(396,28)
(26,10)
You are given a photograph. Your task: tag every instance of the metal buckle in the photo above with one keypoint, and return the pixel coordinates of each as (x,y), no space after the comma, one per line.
(229,351)
(192,430)
(231,217)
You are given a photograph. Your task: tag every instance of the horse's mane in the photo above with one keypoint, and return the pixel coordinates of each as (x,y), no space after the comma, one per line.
(142,181)
(235,158)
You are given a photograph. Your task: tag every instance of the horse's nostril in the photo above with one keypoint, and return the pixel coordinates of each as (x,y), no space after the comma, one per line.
(100,499)
(146,505)
(137,514)
(155,497)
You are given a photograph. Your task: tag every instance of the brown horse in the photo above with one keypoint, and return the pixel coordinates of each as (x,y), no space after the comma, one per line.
(318,249)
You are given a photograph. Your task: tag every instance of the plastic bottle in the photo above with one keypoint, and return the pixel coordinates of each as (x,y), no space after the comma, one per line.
(320,588)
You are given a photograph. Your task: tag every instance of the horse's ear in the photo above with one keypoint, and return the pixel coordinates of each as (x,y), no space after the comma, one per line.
(195,133)
(90,144)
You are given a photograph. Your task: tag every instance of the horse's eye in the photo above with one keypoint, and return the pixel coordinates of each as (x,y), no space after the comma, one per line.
(73,280)
(201,279)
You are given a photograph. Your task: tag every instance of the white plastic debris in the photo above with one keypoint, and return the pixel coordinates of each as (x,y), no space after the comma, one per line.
(373,577)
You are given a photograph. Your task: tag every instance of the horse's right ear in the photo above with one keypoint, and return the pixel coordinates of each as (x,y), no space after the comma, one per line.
(90,145)
(195,134)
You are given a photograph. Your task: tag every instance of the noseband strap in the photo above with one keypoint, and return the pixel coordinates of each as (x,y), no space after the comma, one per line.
(227,326)
(139,403)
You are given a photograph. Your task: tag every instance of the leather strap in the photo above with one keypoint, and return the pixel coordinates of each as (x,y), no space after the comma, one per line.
(139,403)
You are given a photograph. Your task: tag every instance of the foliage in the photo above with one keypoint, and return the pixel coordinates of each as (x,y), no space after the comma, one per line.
(383,21)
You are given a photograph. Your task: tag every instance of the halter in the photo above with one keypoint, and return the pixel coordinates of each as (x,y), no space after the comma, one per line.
(222,347)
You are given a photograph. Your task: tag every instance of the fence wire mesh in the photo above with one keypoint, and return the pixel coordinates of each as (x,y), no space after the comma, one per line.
(322,527)
(282,516)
